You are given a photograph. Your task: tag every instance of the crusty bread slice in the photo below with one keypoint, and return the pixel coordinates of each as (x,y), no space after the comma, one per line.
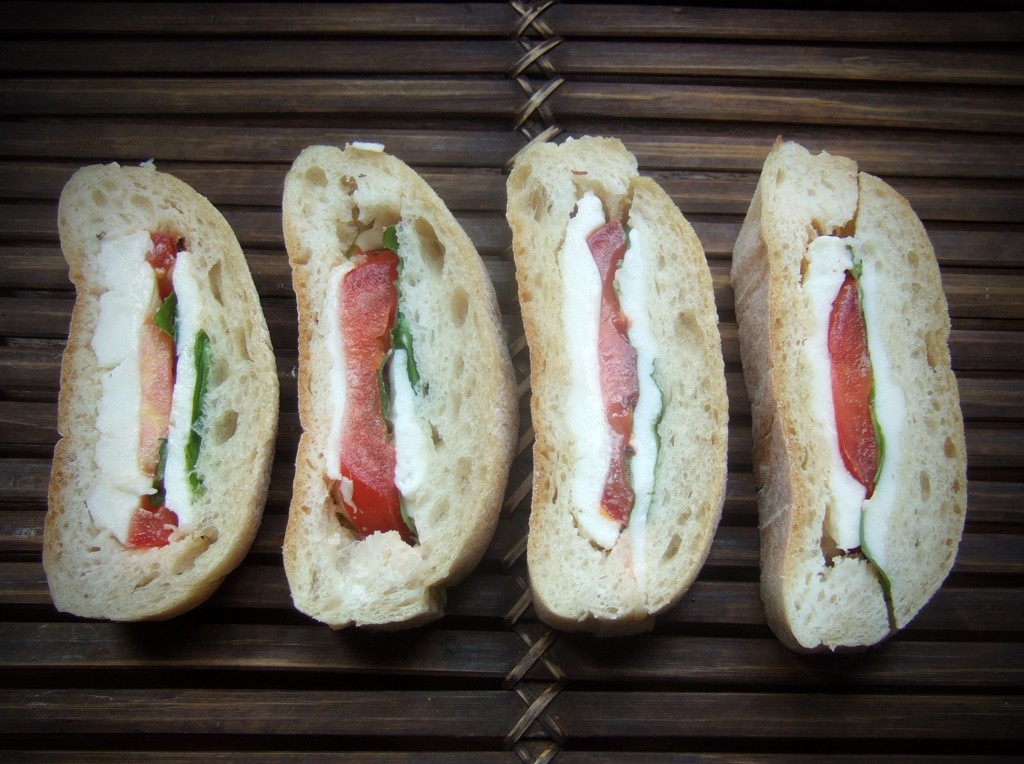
(90,572)
(469,406)
(576,584)
(816,596)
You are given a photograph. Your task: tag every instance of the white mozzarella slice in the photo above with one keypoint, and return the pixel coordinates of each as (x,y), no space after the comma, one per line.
(336,375)
(589,431)
(412,446)
(130,298)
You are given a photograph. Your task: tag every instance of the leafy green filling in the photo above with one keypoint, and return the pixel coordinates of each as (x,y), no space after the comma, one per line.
(166,318)
(203,361)
(391,238)
(401,337)
(160,496)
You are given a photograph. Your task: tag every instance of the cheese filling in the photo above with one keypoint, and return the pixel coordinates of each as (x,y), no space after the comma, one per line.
(336,378)
(589,430)
(129,299)
(850,521)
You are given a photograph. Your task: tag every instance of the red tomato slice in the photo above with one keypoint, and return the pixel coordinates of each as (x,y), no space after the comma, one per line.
(851,385)
(620,387)
(369,301)
(156,371)
(161,256)
(151,526)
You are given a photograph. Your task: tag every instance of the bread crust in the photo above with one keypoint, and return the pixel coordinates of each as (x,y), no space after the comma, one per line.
(470,405)
(577,585)
(90,573)
(815,596)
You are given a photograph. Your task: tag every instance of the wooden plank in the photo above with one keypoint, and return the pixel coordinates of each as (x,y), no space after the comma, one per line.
(752,664)
(819,24)
(761,757)
(101,140)
(679,147)
(257,57)
(477,715)
(834,63)
(416,19)
(264,757)
(839,717)
(496,97)
(960,109)
(184,646)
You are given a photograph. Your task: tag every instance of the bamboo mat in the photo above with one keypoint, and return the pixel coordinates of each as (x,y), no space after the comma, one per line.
(226,95)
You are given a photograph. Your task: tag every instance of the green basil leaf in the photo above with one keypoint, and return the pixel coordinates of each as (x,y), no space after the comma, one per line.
(382,385)
(391,238)
(158,477)
(166,317)
(203,360)
(401,337)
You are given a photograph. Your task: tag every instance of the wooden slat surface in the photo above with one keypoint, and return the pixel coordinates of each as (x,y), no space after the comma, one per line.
(225,95)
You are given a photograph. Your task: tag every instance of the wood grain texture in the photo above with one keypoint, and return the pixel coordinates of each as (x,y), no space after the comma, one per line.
(225,95)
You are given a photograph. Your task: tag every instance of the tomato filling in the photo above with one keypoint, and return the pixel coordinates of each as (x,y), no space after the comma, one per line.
(368,305)
(161,257)
(153,523)
(851,385)
(620,387)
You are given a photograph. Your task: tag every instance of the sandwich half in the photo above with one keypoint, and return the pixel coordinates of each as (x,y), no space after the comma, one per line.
(629,404)
(406,393)
(858,436)
(168,400)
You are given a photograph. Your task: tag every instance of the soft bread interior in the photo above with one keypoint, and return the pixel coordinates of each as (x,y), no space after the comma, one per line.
(90,573)
(576,584)
(467,406)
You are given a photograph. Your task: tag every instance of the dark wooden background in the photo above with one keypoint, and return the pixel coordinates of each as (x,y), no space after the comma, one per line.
(226,95)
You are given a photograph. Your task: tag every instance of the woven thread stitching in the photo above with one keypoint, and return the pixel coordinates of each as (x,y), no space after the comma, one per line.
(535,121)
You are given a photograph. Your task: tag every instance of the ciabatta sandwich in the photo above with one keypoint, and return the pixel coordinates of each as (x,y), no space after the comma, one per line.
(858,436)
(406,393)
(629,403)
(168,400)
